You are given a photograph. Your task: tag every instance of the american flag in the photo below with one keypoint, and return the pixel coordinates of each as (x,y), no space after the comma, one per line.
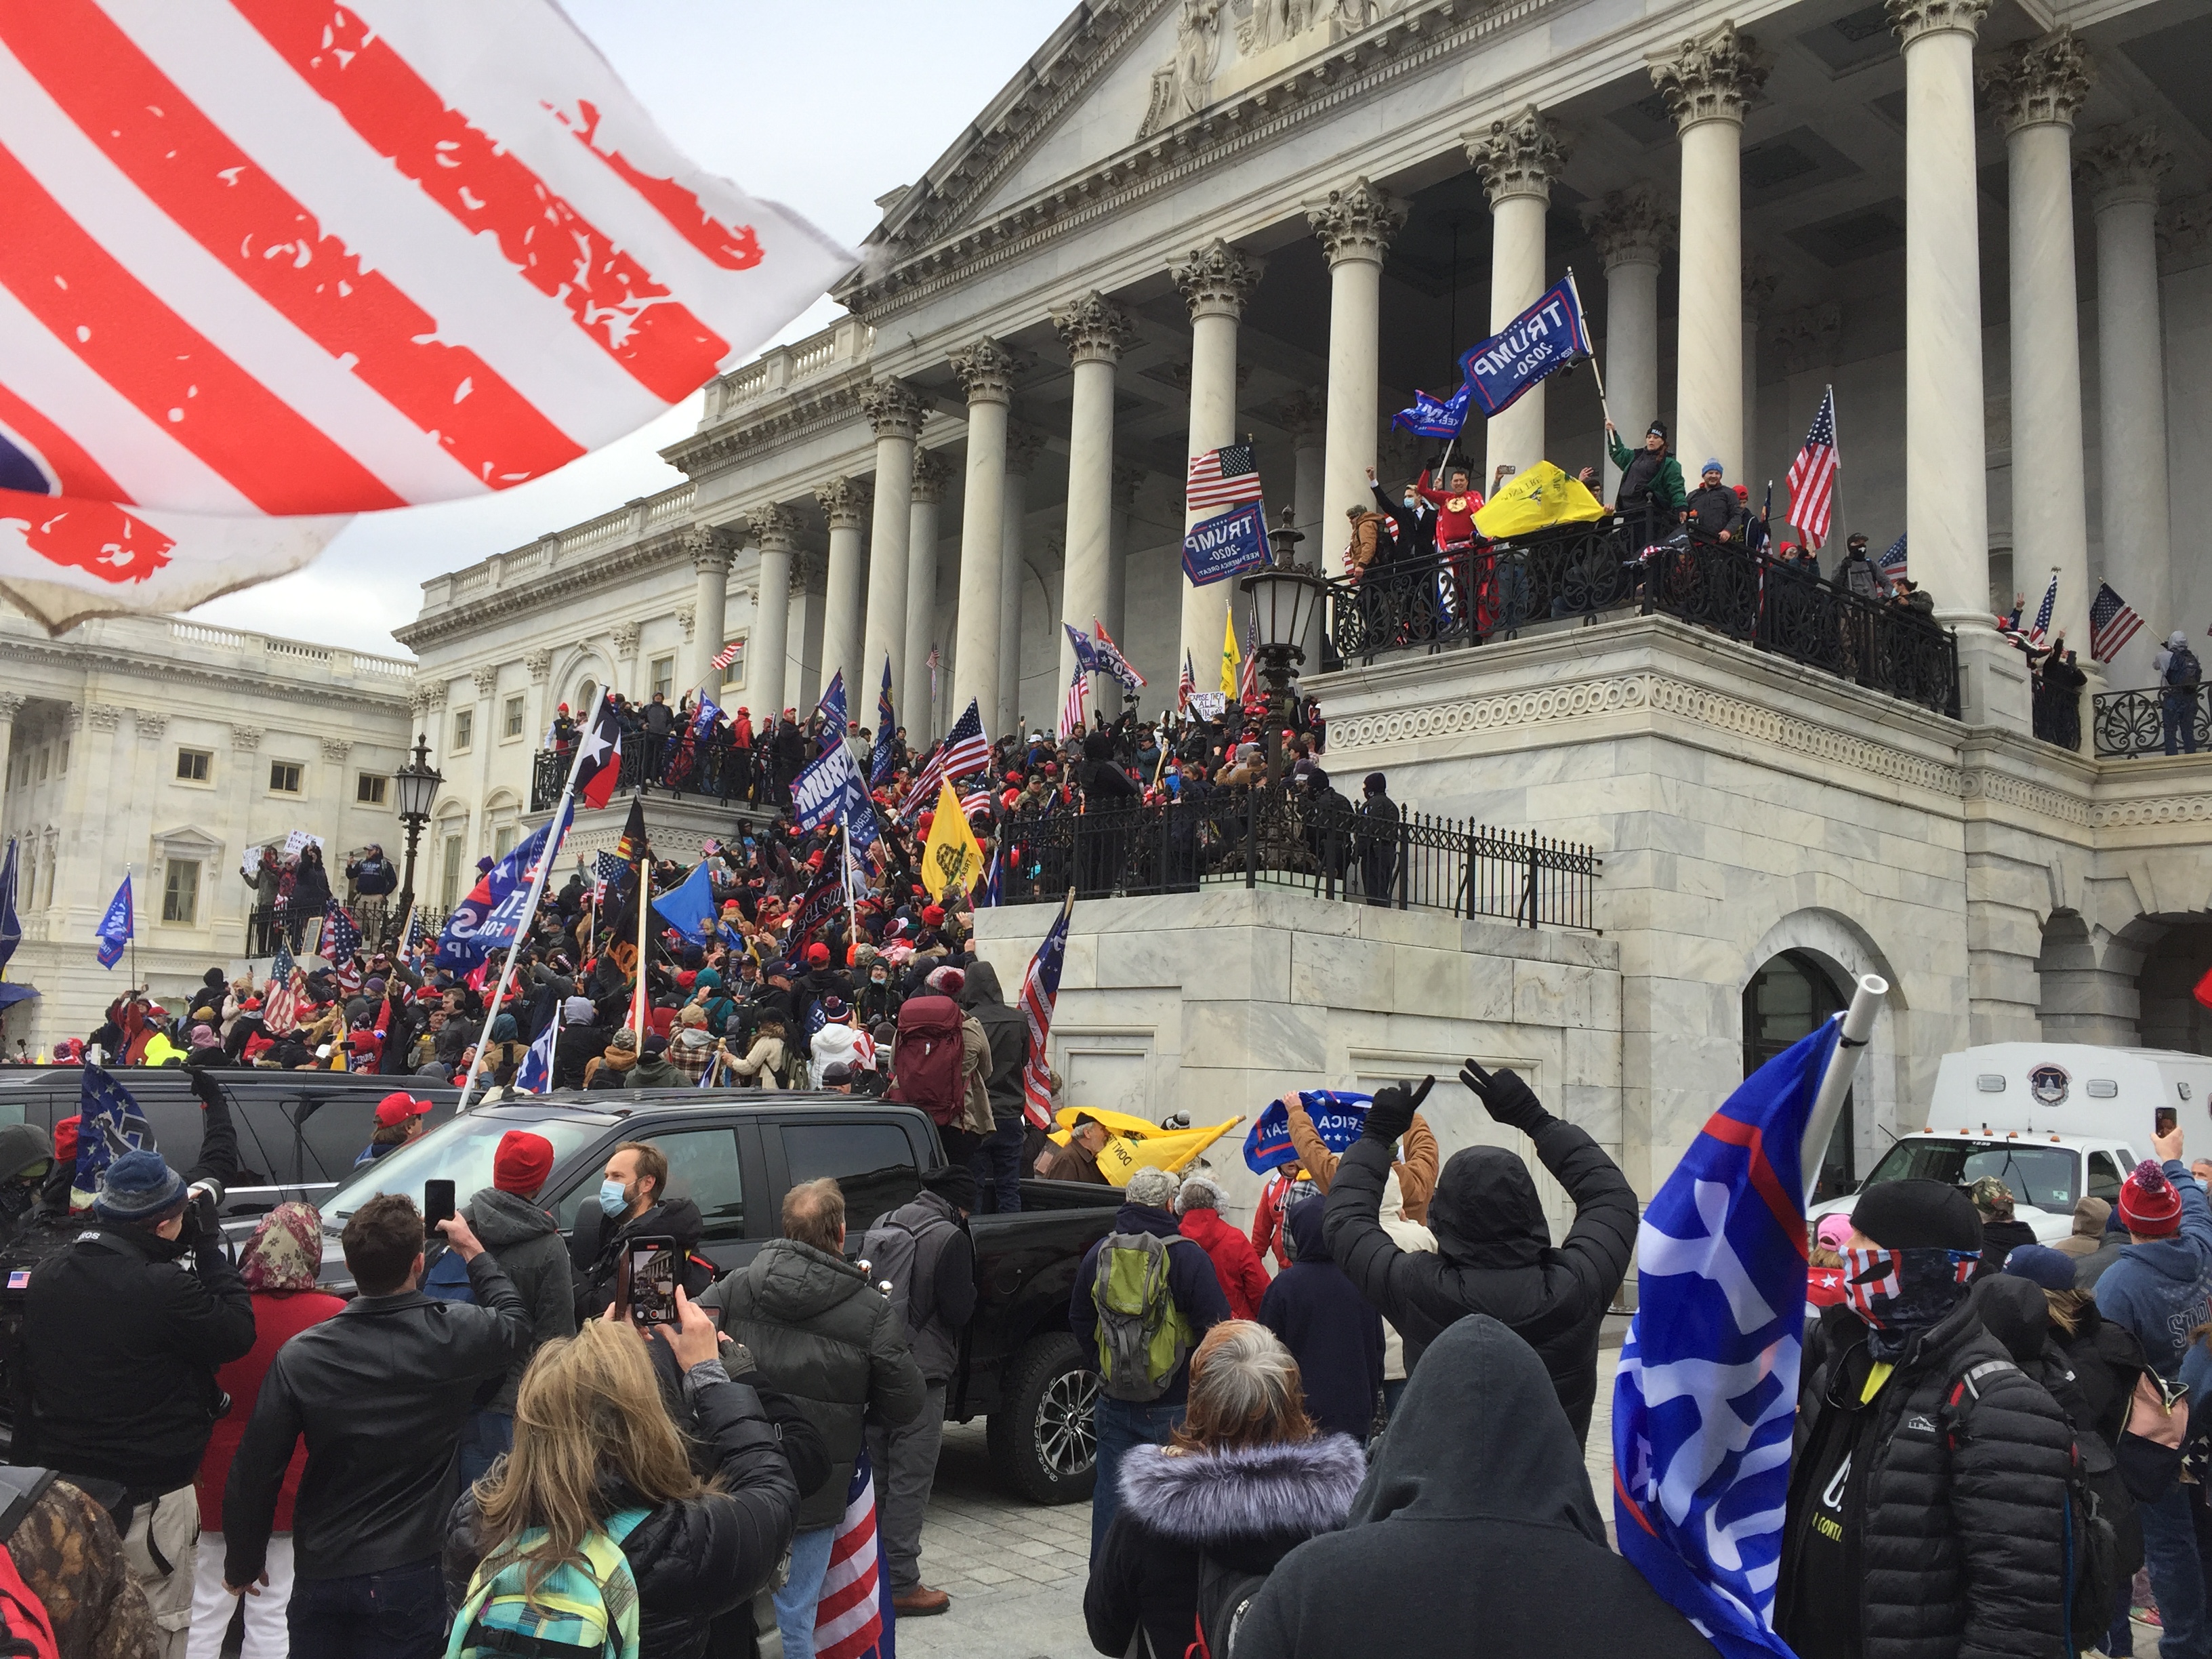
(1220,479)
(849,1622)
(1040,992)
(1812,476)
(1110,659)
(1248,683)
(535,1075)
(2112,623)
(269,265)
(418,933)
(2038,631)
(1072,704)
(1891,567)
(280,996)
(340,938)
(728,654)
(965,749)
(980,800)
(1186,684)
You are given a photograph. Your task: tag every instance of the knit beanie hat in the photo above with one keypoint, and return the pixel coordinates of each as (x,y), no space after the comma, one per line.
(1906,1215)
(2051,1269)
(522,1162)
(2149,1204)
(138,1186)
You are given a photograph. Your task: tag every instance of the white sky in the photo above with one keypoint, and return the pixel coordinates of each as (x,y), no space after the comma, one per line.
(821,107)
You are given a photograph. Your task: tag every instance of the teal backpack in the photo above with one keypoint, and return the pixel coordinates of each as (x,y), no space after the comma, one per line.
(586,1611)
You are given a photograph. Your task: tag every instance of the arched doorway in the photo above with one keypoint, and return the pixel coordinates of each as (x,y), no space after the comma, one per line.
(1789,996)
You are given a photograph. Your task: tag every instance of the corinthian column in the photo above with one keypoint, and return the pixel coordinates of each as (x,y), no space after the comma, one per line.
(845,503)
(2034,91)
(2122,167)
(775,531)
(896,410)
(1096,332)
(1023,444)
(1706,84)
(986,375)
(710,565)
(916,707)
(1355,227)
(1632,231)
(1216,280)
(1516,158)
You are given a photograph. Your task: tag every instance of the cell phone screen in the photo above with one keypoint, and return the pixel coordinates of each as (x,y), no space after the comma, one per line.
(2166,1118)
(437,1202)
(650,1267)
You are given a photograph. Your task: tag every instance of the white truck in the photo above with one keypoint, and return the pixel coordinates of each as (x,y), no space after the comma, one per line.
(2055,1122)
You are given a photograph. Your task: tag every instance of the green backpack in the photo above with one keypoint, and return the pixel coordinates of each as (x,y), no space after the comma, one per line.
(579,1610)
(1143,1337)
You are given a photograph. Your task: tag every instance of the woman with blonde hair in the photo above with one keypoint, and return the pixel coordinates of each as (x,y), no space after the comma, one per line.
(1243,1482)
(595,1454)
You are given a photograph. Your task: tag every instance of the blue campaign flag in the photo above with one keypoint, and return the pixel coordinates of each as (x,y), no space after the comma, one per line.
(835,718)
(1706,1395)
(685,906)
(882,762)
(1543,339)
(859,817)
(703,721)
(1230,545)
(1338,1118)
(115,930)
(11,925)
(824,788)
(1086,657)
(490,918)
(109,1124)
(535,1075)
(1432,417)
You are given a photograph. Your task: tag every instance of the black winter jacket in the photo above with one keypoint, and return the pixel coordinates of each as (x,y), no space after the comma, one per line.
(1960,1541)
(533,1255)
(1717,508)
(1494,1252)
(1008,1034)
(1331,1331)
(596,1253)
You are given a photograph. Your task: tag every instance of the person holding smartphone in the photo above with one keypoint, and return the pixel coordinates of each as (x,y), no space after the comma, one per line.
(525,1240)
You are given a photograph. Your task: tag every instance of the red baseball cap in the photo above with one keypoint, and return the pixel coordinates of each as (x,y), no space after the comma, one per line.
(396,1109)
(817,954)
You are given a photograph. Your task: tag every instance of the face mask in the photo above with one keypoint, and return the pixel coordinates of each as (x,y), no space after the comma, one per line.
(877,978)
(614,1197)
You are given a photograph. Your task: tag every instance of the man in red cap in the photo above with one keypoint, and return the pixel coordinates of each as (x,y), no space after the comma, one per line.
(400,1118)
(532,1252)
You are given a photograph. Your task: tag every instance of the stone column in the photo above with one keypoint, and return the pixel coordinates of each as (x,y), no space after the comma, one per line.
(11,704)
(1216,280)
(2122,167)
(1632,230)
(896,410)
(1516,158)
(1128,479)
(1023,444)
(1706,84)
(1096,332)
(767,652)
(1355,225)
(2034,91)
(1305,416)
(710,563)
(916,709)
(845,503)
(1761,277)
(987,373)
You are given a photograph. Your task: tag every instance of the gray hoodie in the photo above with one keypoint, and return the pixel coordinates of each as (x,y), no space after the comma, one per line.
(531,1251)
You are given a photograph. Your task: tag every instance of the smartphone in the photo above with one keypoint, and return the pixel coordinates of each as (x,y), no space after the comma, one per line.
(2165,1118)
(437,1203)
(644,1281)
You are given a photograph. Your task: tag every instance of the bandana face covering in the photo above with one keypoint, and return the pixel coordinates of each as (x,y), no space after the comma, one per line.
(1901,1293)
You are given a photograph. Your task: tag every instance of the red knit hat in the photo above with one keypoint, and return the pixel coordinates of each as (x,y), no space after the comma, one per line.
(65,1140)
(2149,1204)
(522,1162)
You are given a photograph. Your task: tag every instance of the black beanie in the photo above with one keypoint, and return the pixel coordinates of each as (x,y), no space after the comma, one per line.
(1905,1215)
(954,1184)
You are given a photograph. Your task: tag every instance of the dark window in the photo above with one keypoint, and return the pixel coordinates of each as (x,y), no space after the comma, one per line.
(1786,999)
(873,1163)
(703,1166)
(334,1133)
(2104,1177)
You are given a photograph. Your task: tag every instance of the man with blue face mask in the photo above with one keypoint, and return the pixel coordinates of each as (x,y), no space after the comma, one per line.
(632,1205)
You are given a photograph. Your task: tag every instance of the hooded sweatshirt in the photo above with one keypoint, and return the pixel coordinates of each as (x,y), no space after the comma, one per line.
(534,1254)
(1331,1330)
(2090,1215)
(1477,1518)
(2163,1290)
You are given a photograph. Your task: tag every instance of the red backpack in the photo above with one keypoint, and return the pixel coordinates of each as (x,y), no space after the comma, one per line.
(26,1633)
(925,1066)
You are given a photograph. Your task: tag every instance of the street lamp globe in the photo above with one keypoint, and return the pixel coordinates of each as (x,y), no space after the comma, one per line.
(415,785)
(1283,600)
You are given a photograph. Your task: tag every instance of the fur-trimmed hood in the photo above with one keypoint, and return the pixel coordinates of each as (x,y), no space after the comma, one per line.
(1295,1489)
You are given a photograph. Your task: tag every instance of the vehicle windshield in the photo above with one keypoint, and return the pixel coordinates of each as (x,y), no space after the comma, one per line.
(459,1151)
(2046,1176)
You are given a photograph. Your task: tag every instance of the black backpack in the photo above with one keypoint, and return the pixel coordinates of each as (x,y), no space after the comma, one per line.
(1225,1595)
(2182,668)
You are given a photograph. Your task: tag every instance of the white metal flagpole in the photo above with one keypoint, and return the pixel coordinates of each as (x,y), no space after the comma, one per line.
(1836,1082)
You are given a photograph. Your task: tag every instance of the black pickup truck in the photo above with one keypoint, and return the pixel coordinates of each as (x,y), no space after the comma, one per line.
(736,1153)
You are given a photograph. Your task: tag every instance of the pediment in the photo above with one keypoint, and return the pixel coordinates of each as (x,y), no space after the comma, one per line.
(187,841)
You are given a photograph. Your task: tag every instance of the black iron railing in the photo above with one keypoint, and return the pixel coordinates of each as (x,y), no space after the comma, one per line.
(2140,722)
(1324,846)
(377,918)
(722,776)
(1583,570)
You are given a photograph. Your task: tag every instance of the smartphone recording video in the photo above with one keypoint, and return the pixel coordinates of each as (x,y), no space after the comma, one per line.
(437,1203)
(647,1275)
(2166,1117)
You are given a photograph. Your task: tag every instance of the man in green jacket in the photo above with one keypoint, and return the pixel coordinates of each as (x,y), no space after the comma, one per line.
(1650,479)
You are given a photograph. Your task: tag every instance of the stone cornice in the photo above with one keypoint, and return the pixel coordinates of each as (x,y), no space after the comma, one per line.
(601,570)
(746,437)
(116,659)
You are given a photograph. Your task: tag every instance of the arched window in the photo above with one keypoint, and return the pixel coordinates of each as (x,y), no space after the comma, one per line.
(582,708)
(1784,1001)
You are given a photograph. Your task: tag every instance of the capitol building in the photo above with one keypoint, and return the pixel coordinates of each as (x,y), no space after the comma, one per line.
(1186,223)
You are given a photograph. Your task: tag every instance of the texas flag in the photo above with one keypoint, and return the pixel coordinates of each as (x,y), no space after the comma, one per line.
(598,757)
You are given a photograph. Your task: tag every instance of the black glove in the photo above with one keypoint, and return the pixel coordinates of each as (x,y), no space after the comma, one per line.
(1506,1098)
(1392,1112)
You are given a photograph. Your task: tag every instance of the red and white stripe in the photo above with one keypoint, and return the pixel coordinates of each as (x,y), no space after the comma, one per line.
(1072,719)
(275,262)
(848,1619)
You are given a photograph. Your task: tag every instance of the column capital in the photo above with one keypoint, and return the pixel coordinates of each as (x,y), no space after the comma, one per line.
(987,371)
(152,724)
(1713,76)
(335,750)
(688,616)
(930,470)
(2123,164)
(247,738)
(1218,279)
(1304,415)
(2039,82)
(1093,329)
(775,526)
(1357,222)
(894,409)
(486,677)
(1807,339)
(1912,19)
(626,638)
(11,704)
(539,663)
(1023,444)
(1630,226)
(708,548)
(1519,154)
(806,570)
(846,503)
(1761,277)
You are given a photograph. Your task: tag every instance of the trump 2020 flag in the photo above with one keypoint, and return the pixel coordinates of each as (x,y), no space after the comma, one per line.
(1338,1119)
(115,929)
(1706,1395)
(1542,340)
(1435,418)
(490,918)
(535,1075)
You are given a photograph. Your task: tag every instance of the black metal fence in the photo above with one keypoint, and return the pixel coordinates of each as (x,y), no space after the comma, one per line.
(379,919)
(1583,570)
(722,776)
(2142,722)
(1282,837)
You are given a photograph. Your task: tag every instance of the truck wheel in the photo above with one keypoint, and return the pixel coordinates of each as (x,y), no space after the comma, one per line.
(1042,1444)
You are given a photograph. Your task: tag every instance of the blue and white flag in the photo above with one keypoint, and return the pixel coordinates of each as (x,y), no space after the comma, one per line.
(825,788)
(490,918)
(11,926)
(1231,544)
(1430,418)
(1542,340)
(703,721)
(687,906)
(110,1123)
(1338,1118)
(882,762)
(1706,1395)
(1086,657)
(115,929)
(535,1075)
(835,716)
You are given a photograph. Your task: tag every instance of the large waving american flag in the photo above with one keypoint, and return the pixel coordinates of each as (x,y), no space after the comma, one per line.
(270,262)
(1039,995)
(850,1621)
(1812,476)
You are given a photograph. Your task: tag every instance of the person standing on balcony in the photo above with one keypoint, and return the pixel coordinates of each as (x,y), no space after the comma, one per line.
(2179,673)
(1650,479)
(1857,574)
(1416,522)
(1713,508)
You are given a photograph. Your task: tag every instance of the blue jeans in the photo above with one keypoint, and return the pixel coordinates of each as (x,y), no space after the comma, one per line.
(486,1437)
(2176,1577)
(397,1613)
(2180,723)
(1121,1427)
(795,1603)
(996,1167)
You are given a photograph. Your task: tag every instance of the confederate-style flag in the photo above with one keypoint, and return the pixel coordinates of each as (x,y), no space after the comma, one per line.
(598,757)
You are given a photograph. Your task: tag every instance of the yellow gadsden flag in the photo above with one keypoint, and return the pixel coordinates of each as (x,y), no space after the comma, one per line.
(1231,658)
(1136,1143)
(950,858)
(1541,496)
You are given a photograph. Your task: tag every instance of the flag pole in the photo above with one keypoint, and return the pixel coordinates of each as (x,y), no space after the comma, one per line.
(1583,317)
(644,939)
(134,930)
(1836,1082)
(530,910)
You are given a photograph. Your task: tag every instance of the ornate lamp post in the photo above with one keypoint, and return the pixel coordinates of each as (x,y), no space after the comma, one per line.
(414,786)
(1284,601)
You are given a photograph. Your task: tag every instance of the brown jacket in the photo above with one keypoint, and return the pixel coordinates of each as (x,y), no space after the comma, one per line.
(1072,1162)
(2090,1215)
(1417,1171)
(975,1070)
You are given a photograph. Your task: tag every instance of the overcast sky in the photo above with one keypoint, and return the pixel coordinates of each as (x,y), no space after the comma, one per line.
(821,107)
